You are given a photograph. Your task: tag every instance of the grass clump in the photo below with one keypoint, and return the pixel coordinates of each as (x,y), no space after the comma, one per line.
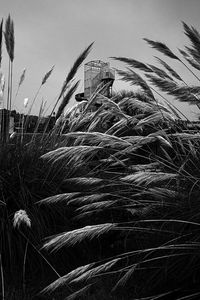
(145,180)
(24,180)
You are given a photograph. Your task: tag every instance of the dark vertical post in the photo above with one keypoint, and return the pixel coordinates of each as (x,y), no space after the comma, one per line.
(5,120)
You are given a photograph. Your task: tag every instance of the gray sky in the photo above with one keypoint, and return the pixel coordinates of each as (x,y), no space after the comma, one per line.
(51,32)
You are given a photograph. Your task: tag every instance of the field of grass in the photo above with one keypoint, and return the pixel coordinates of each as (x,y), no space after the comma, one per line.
(105,205)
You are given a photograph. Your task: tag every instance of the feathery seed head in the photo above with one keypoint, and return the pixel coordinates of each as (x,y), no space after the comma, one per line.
(25,102)
(22,77)
(13,135)
(1,96)
(21,217)
(169,69)
(2,82)
(161,47)
(9,37)
(134,63)
(46,76)
(136,79)
(74,69)
(1,34)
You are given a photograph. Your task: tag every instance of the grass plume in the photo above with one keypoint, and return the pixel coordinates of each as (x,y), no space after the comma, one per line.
(1,38)
(74,69)
(161,47)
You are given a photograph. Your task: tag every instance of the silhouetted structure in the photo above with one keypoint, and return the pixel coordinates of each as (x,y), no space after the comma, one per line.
(14,121)
(97,72)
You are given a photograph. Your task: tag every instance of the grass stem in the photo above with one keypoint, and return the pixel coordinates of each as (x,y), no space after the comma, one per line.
(2,279)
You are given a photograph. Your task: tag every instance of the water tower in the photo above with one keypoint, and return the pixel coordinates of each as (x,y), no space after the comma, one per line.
(97,72)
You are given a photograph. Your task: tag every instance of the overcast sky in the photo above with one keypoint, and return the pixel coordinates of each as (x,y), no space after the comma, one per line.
(51,33)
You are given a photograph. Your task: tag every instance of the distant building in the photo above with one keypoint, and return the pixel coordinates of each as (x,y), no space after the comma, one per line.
(97,73)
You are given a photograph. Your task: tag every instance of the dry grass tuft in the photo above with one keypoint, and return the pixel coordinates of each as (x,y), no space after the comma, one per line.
(77,235)
(21,218)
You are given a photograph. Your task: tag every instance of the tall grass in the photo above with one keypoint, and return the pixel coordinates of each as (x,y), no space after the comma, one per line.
(133,171)
(25,180)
